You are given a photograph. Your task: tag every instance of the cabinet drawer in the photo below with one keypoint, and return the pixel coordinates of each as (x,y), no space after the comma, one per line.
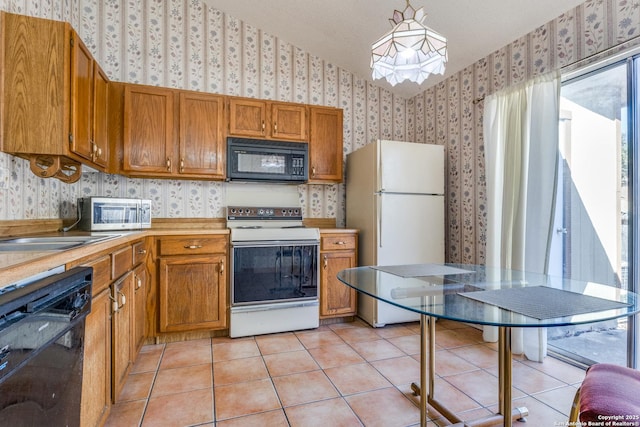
(101,274)
(139,252)
(192,245)
(332,242)
(122,261)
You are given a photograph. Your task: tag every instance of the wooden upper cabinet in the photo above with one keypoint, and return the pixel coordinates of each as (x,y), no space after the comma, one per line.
(88,105)
(170,133)
(254,118)
(289,122)
(247,117)
(49,91)
(325,145)
(100,148)
(148,130)
(202,144)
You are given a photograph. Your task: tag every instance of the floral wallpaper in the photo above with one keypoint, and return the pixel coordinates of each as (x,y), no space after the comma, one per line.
(188,44)
(447,114)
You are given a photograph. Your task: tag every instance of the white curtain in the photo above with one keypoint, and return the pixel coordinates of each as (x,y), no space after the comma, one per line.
(521,149)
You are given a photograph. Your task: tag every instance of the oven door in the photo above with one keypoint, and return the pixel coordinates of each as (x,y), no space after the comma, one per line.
(266,272)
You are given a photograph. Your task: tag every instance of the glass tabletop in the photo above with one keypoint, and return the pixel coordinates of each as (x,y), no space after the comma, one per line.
(489,296)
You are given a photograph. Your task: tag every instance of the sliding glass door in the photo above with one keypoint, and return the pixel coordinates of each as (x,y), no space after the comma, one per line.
(592,222)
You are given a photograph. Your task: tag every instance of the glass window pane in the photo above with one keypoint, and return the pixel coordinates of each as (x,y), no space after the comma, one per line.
(591,239)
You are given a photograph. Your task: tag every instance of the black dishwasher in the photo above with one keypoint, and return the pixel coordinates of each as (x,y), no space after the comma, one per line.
(41,349)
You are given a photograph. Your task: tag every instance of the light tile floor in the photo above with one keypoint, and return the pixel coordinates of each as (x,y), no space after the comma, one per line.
(345,374)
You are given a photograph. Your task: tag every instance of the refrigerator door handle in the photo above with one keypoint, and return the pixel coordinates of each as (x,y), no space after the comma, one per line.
(379,220)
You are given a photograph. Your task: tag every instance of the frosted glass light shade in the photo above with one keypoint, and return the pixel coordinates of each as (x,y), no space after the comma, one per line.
(410,51)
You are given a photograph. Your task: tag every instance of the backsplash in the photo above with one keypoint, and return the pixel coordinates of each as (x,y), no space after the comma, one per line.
(186,44)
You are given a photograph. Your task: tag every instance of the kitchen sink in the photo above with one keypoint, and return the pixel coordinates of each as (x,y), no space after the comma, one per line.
(49,243)
(37,247)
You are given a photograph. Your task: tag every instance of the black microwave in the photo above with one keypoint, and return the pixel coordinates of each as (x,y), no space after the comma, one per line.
(266,160)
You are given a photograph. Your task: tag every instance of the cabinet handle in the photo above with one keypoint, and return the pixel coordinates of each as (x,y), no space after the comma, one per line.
(138,283)
(275,127)
(324,265)
(142,252)
(193,246)
(263,126)
(114,305)
(168,164)
(313,171)
(341,243)
(98,151)
(181,165)
(123,298)
(221,267)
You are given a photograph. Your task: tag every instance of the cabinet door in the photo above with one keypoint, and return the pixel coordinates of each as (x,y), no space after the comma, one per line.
(96,379)
(82,80)
(325,145)
(148,130)
(35,85)
(140,283)
(122,342)
(202,145)
(193,293)
(289,122)
(336,298)
(247,117)
(100,147)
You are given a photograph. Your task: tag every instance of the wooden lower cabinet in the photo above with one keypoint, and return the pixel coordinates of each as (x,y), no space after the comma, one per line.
(96,384)
(192,283)
(140,287)
(122,352)
(338,251)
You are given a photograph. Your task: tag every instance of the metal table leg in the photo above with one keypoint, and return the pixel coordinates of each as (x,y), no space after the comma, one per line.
(506,412)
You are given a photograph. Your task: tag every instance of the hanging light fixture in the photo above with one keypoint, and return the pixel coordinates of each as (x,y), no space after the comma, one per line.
(410,51)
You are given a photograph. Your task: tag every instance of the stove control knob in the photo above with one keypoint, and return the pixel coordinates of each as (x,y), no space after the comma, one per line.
(260,211)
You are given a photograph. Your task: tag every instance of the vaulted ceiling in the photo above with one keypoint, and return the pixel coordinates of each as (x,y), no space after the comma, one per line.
(342,31)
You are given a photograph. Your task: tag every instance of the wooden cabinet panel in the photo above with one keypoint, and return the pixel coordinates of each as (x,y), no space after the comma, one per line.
(338,251)
(168,133)
(122,261)
(96,379)
(82,70)
(101,274)
(148,129)
(35,85)
(247,117)
(289,122)
(192,282)
(122,340)
(254,118)
(139,252)
(325,145)
(49,94)
(191,245)
(202,144)
(192,293)
(140,281)
(100,147)
(333,242)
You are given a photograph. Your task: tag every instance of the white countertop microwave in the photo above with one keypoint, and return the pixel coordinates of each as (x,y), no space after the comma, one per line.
(111,213)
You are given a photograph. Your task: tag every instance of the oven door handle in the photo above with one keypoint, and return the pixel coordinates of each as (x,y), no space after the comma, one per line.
(269,243)
(277,306)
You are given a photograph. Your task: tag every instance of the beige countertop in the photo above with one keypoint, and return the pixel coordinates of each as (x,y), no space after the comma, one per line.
(16,266)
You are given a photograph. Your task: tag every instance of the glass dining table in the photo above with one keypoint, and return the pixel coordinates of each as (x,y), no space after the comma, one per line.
(482,295)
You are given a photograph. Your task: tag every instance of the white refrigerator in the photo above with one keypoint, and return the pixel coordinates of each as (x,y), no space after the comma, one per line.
(395,198)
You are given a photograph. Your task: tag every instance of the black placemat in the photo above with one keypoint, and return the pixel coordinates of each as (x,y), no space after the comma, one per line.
(542,302)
